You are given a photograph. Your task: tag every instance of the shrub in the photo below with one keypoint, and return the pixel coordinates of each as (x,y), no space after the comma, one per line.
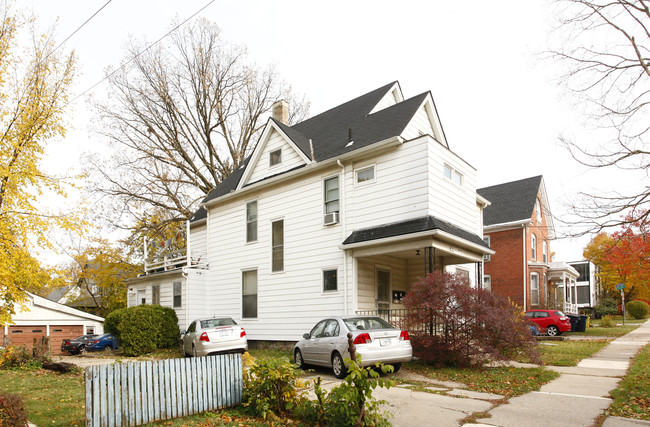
(637,309)
(18,357)
(144,328)
(451,323)
(272,388)
(112,322)
(607,321)
(606,306)
(12,411)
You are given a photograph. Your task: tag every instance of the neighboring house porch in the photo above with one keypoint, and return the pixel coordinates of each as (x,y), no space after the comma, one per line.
(562,288)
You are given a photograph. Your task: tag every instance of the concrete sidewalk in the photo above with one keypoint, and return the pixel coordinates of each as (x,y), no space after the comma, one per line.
(579,395)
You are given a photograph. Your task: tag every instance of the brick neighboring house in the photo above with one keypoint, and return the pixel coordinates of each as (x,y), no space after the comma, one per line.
(518,226)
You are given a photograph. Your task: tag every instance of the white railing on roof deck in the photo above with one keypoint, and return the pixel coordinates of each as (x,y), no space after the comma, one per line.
(570,308)
(173,260)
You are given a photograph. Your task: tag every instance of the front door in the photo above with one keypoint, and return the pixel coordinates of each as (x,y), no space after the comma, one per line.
(383,290)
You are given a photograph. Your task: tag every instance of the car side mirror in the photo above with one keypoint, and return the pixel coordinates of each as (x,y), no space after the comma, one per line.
(306,336)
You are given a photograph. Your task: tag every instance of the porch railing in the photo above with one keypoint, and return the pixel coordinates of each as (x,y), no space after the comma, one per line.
(398,318)
(172,260)
(571,308)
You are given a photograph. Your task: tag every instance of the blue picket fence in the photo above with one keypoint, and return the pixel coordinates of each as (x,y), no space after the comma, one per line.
(132,394)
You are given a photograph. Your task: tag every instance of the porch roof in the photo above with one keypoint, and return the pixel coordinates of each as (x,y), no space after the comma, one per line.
(418,225)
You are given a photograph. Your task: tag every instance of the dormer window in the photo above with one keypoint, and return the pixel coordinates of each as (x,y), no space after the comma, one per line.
(275,157)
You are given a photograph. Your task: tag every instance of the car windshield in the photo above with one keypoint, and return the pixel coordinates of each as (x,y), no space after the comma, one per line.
(559,313)
(366,323)
(213,323)
(102,336)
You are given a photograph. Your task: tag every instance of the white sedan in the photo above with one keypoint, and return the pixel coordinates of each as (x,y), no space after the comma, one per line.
(375,340)
(214,335)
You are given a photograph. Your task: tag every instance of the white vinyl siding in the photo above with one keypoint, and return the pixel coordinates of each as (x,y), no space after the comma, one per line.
(420,125)
(290,158)
(199,244)
(389,99)
(367,271)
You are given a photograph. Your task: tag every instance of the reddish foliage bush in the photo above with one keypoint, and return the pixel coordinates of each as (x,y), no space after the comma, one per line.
(12,411)
(451,323)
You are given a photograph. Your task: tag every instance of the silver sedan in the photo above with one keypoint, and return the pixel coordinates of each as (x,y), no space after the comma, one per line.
(374,338)
(214,335)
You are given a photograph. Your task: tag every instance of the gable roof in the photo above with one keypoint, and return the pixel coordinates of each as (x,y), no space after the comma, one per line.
(331,132)
(510,202)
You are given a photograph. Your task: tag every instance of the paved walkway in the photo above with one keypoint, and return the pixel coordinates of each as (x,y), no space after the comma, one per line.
(579,395)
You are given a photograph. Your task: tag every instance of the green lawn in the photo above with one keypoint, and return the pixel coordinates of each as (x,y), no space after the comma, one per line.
(597,331)
(632,396)
(506,381)
(568,353)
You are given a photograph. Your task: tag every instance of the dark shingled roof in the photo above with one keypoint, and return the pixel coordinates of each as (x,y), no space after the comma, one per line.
(201,213)
(330,131)
(427,223)
(512,201)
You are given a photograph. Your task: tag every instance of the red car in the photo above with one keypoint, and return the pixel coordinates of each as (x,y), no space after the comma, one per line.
(554,322)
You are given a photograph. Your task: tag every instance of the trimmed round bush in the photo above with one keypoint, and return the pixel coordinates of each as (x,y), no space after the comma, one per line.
(637,309)
(143,328)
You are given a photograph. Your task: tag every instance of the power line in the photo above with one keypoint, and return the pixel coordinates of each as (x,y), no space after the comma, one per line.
(141,52)
(80,27)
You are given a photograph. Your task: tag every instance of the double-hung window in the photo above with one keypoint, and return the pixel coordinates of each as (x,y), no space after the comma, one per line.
(534,289)
(533,246)
(251,221)
(249,294)
(332,195)
(277,245)
(177,294)
(155,294)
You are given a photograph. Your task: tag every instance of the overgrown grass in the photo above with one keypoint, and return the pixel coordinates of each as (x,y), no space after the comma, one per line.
(568,353)
(506,381)
(597,331)
(51,399)
(632,396)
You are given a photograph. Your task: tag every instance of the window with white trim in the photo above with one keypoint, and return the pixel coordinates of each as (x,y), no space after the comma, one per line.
(331,194)
(177,289)
(277,245)
(538,211)
(487,282)
(251,221)
(453,175)
(155,294)
(330,280)
(545,251)
(533,246)
(534,289)
(275,157)
(249,294)
(365,175)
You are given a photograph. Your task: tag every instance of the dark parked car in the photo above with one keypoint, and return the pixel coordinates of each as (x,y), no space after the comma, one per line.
(77,345)
(554,322)
(102,342)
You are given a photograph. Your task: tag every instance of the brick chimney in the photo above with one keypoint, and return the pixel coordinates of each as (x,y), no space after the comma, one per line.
(281,111)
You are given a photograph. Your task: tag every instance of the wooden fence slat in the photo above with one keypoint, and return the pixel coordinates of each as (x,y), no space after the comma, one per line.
(139,393)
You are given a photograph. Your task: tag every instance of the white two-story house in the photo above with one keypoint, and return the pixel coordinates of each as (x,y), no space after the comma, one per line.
(338,214)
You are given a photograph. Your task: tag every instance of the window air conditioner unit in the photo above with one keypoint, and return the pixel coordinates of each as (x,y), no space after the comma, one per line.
(331,218)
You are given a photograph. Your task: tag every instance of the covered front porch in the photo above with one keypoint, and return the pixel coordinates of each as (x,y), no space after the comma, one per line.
(387,260)
(562,288)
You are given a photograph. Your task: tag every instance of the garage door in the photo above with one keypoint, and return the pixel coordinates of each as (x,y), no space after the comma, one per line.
(59,333)
(24,335)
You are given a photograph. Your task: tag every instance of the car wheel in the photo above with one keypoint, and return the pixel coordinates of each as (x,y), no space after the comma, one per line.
(552,331)
(397,367)
(340,371)
(81,350)
(297,357)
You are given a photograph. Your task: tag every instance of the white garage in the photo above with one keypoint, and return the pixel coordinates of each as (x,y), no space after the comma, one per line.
(45,318)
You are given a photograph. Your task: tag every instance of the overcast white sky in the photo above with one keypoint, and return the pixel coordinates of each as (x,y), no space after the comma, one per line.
(497,99)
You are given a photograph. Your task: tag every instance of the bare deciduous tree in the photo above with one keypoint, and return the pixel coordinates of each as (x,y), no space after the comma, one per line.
(180,117)
(605,44)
